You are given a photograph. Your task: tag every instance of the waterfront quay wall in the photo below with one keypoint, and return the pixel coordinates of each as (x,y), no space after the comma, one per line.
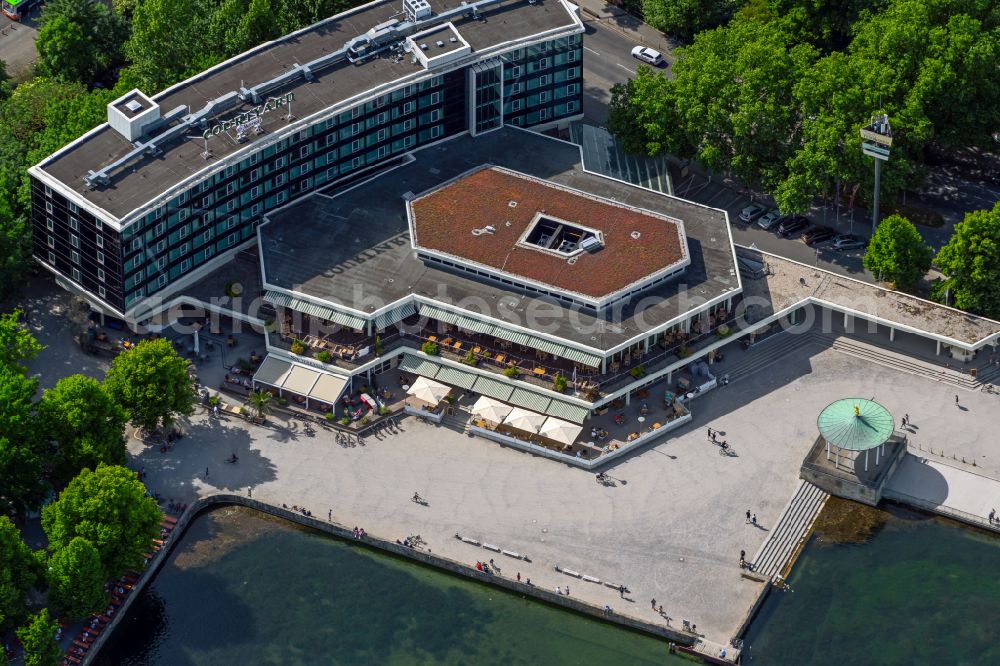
(423,556)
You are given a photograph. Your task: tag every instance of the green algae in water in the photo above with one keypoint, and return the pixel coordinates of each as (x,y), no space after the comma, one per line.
(921,590)
(245,589)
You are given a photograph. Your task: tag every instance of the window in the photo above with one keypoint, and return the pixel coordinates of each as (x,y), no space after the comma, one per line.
(382,152)
(409,124)
(543,63)
(281,162)
(572,89)
(162,280)
(356,128)
(305,167)
(48,206)
(543,96)
(255,210)
(182,199)
(382,135)
(515,105)
(102,292)
(74,240)
(230,171)
(255,175)
(282,196)
(184,231)
(97,223)
(158,213)
(50,241)
(232,222)
(435,131)
(543,114)
(435,115)
(279,179)
(230,205)
(73,208)
(331,139)
(74,224)
(304,151)
(74,257)
(159,229)
(207,236)
(233,239)
(571,56)
(49,224)
(52,258)
(356,145)
(76,275)
(100,257)
(136,244)
(572,107)
(435,98)
(100,241)
(515,88)
(184,249)
(331,173)
(161,246)
(255,191)
(183,214)
(409,107)
(356,111)
(358,161)
(230,188)
(254,158)
(185,266)
(515,71)
(543,80)
(48,191)
(100,274)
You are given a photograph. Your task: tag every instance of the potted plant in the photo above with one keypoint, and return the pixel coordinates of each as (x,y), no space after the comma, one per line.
(470,358)
(383,410)
(233,289)
(512,371)
(429,348)
(213,401)
(282,400)
(344,420)
(559,383)
(378,345)
(723,331)
(638,371)
(324,356)
(298,347)
(365,420)
(683,351)
(329,416)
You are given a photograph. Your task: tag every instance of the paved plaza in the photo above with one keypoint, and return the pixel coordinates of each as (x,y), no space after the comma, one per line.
(671,527)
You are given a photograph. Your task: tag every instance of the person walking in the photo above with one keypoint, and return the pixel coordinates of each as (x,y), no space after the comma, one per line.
(753,520)
(956,400)
(567,590)
(249,491)
(993,513)
(748,516)
(329,516)
(518,576)
(621,591)
(709,434)
(653,601)
(206,472)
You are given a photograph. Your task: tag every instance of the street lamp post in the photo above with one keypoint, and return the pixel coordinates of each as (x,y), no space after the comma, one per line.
(876,140)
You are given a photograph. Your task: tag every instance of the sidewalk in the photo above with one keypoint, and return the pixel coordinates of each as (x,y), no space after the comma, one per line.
(944,489)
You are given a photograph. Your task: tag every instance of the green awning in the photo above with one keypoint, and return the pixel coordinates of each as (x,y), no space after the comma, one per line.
(550,347)
(568,411)
(396,314)
(536,402)
(513,336)
(440,314)
(478,326)
(855,424)
(419,366)
(493,388)
(282,300)
(455,377)
(588,359)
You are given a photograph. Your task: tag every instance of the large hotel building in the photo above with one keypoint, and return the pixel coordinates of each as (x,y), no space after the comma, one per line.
(377,193)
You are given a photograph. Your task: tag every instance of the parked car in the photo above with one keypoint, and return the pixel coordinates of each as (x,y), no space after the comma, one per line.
(819,234)
(849,242)
(752,212)
(647,55)
(771,218)
(793,226)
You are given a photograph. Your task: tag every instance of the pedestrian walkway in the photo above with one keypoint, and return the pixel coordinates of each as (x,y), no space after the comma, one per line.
(946,490)
(603,155)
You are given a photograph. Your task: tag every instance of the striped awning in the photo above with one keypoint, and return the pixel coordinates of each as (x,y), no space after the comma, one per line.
(513,336)
(550,347)
(282,300)
(418,366)
(494,388)
(536,402)
(591,360)
(568,411)
(456,377)
(396,314)
(479,326)
(440,314)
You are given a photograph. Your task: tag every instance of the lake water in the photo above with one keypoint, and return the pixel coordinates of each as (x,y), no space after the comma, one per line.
(245,588)
(921,590)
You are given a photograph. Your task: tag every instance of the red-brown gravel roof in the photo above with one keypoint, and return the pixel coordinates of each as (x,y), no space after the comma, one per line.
(443,221)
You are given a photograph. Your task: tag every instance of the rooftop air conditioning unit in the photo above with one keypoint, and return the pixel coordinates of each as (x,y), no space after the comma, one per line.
(591,244)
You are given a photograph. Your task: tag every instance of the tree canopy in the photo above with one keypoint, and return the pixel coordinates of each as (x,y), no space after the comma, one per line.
(109,508)
(150,381)
(971,263)
(76,580)
(19,571)
(897,253)
(22,484)
(16,341)
(684,18)
(79,39)
(777,96)
(85,424)
(38,639)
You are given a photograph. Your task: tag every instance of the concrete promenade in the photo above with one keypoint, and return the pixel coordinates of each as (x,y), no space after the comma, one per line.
(951,491)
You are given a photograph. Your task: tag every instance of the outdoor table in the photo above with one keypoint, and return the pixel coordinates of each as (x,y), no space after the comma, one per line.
(539,371)
(476,350)
(406,387)
(432,338)
(642,419)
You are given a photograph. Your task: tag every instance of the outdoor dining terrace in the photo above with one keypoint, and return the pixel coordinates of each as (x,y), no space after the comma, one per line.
(349,349)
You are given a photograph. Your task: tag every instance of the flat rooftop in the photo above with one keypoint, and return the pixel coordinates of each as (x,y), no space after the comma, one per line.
(789,282)
(634,243)
(354,249)
(147,179)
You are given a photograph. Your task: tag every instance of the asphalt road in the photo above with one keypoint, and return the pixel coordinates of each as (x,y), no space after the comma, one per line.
(17,44)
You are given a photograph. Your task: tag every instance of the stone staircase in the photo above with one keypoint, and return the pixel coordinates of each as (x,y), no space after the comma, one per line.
(458,422)
(790,531)
(779,345)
